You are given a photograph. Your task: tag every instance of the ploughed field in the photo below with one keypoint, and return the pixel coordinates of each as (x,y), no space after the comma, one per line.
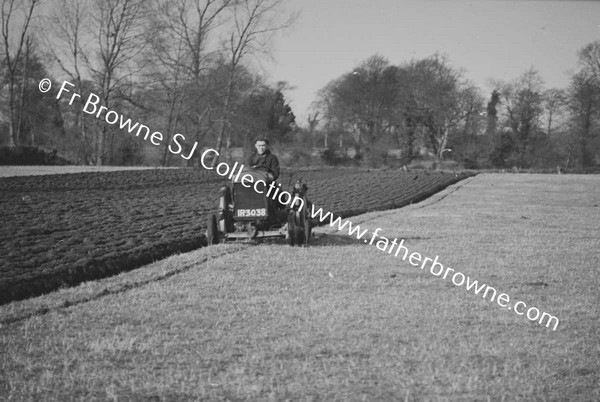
(60,230)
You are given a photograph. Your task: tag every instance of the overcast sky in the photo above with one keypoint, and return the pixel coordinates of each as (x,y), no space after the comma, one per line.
(497,39)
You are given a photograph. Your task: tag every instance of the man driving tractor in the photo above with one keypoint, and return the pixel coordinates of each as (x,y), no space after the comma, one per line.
(263,158)
(248,210)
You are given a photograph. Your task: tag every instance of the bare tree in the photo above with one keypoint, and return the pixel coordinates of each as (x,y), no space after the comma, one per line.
(440,99)
(522,100)
(24,74)
(589,60)
(554,101)
(182,56)
(67,36)
(313,122)
(14,46)
(254,23)
(166,69)
(332,106)
(363,103)
(584,103)
(121,27)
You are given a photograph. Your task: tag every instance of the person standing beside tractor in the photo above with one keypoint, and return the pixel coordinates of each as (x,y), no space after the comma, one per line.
(263,158)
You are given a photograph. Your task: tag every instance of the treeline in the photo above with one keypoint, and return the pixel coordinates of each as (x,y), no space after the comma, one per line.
(426,108)
(184,66)
(177,66)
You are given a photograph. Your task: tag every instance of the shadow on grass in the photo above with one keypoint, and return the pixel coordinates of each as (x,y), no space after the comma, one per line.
(322,239)
(336,240)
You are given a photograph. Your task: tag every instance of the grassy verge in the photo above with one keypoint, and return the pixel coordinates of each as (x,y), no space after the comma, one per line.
(340,320)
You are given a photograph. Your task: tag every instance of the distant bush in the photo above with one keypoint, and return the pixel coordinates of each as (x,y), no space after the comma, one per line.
(31,156)
(294,156)
(332,158)
(471,163)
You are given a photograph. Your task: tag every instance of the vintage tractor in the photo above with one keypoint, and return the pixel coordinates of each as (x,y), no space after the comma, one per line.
(246,214)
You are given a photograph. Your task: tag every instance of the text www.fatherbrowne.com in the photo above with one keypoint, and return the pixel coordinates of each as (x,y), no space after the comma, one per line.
(436,268)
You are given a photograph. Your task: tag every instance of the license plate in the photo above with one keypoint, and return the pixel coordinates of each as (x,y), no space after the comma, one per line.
(251,212)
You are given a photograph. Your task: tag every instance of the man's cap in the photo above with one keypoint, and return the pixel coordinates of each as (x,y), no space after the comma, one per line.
(265,139)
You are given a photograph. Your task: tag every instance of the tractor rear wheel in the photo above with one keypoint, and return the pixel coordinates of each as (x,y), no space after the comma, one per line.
(302,227)
(296,230)
(291,227)
(300,236)
(307,231)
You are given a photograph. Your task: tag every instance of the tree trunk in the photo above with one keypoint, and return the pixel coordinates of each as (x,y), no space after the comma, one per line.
(246,145)
(410,140)
(569,157)
(14,139)
(228,145)
(165,155)
(22,100)
(587,159)
(101,157)
(100,146)
(443,143)
(224,116)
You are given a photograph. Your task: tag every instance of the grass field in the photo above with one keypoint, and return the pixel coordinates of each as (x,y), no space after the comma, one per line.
(340,320)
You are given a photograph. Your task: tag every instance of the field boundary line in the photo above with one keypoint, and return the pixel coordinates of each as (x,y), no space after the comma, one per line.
(437,197)
(116,289)
(46,170)
(368,216)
